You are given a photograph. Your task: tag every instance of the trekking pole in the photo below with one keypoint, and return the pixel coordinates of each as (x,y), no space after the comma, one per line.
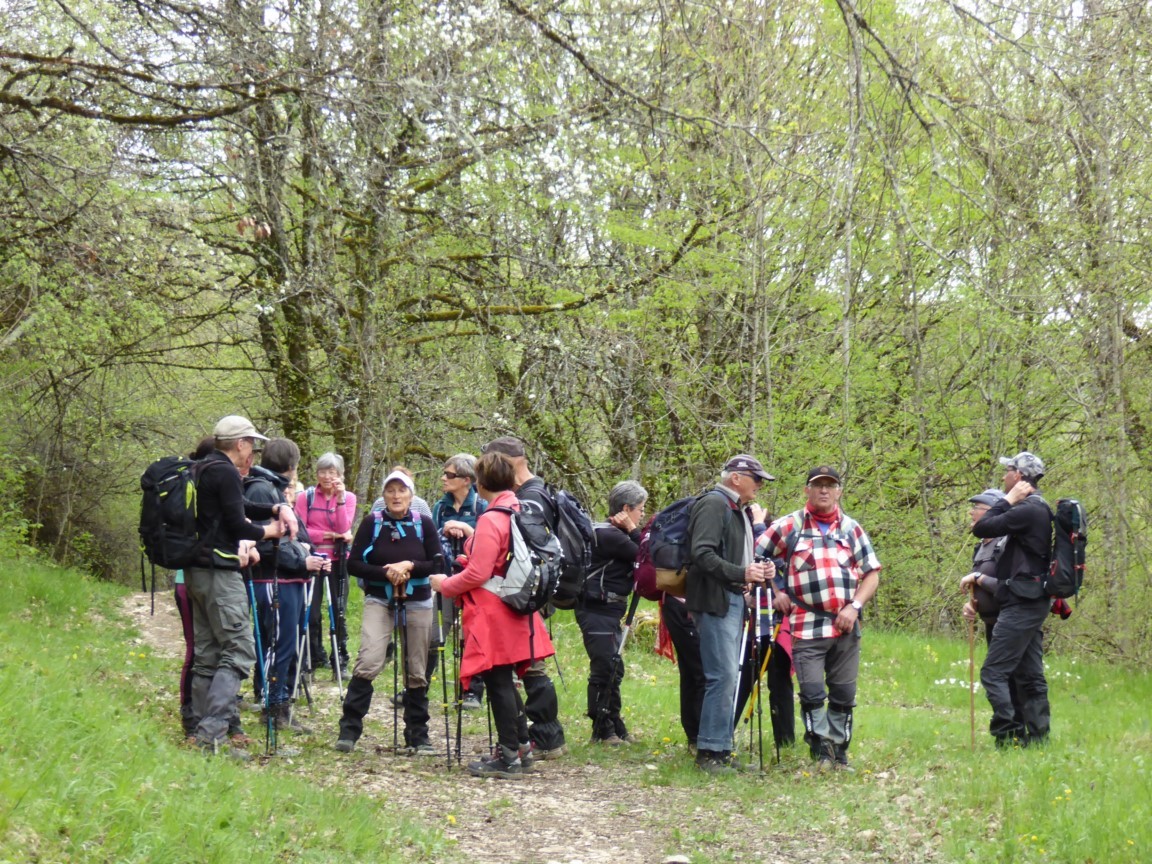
(260,666)
(303,651)
(972,671)
(270,679)
(332,635)
(340,639)
(442,638)
(396,613)
(759,694)
(741,667)
(457,652)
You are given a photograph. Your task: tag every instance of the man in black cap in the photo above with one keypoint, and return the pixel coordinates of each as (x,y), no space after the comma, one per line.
(1016,650)
(720,567)
(540,701)
(831,572)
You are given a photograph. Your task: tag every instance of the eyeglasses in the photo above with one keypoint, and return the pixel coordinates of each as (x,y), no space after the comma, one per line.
(448,475)
(824,487)
(757,480)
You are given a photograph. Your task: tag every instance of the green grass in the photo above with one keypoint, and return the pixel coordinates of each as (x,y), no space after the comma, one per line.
(91,768)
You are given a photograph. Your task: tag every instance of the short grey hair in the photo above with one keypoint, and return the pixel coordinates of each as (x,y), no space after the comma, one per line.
(627,493)
(462,463)
(330,460)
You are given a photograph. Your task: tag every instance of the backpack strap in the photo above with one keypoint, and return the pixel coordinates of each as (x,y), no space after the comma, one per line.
(377,523)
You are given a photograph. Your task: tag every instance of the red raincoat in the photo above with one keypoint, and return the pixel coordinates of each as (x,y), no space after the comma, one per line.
(494,634)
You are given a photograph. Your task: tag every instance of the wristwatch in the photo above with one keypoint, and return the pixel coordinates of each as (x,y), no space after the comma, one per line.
(857,605)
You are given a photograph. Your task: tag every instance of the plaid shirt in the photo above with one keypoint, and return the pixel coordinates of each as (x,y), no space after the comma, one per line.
(825,568)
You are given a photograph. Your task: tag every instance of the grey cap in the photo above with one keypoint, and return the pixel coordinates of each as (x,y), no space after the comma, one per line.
(988,496)
(234,426)
(1026,463)
(742,463)
(507,445)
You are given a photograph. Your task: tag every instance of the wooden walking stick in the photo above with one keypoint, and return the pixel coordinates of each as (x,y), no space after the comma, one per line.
(972,670)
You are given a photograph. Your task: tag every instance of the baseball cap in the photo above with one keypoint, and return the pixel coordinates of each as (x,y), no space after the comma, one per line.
(746,464)
(1028,464)
(402,477)
(826,471)
(235,426)
(988,496)
(507,445)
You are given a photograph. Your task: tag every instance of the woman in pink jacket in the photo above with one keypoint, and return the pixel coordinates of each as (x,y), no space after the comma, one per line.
(329,511)
(498,642)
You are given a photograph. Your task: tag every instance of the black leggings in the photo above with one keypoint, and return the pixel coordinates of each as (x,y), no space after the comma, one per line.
(507,707)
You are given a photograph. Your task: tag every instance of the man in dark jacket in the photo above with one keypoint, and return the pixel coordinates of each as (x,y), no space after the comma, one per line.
(720,565)
(1016,650)
(224,651)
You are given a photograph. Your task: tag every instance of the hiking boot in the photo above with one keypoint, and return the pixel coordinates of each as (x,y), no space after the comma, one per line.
(286,719)
(398,699)
(345,745)
(239,739)
(217,747)
(526,758)
(842,763)
(504,764)
(471,703)
(424,749)
(713,763)
(540,754)
(826,760)
(611,740)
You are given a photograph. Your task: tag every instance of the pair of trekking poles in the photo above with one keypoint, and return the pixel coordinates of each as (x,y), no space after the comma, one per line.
(748,646)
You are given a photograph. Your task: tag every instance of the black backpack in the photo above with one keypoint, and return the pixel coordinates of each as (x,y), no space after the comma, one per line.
(168,536)
(534,562)
(1069,539)
(577,537)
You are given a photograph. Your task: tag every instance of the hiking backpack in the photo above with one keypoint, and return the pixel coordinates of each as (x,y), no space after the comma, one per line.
(576,535)
(534,562)
(168,534)
(1069,539)
(662,557)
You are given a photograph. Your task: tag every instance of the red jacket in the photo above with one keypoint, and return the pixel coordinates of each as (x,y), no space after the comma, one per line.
(494,634)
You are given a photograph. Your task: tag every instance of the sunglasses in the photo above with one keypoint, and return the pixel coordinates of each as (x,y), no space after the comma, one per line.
(448,475)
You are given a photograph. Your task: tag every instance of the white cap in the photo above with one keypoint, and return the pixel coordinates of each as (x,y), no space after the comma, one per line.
(402,477)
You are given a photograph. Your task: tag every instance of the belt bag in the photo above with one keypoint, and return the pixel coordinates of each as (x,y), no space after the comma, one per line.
(672,581)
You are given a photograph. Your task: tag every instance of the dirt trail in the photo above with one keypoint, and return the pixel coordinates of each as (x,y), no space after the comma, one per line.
(567,811)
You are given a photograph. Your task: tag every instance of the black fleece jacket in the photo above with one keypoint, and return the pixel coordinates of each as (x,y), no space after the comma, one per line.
(1028,526)
(222,514)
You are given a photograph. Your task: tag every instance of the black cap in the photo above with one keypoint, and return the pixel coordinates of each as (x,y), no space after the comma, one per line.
(823,471)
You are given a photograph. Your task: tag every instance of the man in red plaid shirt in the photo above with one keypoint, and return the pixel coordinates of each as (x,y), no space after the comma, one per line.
(830,571)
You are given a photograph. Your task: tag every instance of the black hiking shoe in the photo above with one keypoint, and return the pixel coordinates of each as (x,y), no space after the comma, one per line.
(505,764)
(713,763)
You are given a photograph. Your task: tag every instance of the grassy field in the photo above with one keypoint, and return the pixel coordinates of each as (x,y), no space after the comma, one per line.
(92,768)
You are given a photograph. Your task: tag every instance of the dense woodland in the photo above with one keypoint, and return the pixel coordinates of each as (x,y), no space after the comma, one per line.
(904,238)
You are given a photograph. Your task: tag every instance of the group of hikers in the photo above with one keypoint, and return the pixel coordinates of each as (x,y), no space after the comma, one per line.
(762,599)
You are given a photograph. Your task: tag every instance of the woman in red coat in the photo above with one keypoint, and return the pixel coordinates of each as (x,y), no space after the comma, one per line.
(498,641)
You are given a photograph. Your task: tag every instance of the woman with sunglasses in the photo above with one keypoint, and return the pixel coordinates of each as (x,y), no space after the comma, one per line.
(455,515)
(393,553)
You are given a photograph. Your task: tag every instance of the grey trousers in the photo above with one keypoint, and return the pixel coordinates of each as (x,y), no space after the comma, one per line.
(827,669)
(224,650)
